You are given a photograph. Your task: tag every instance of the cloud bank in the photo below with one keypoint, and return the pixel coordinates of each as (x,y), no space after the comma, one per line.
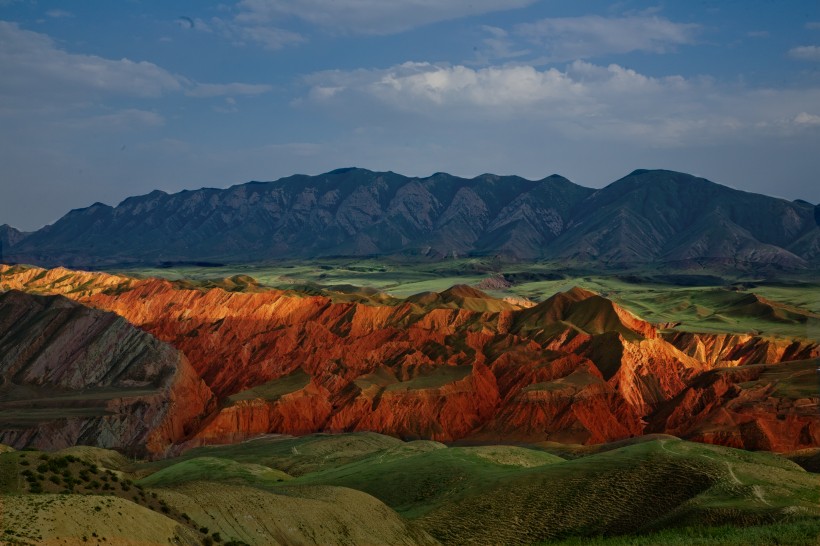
(369,16)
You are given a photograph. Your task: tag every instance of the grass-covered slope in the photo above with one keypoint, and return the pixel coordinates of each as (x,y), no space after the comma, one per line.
(654,487)
(216,470)
(420,477)
(460,496)
(372,489)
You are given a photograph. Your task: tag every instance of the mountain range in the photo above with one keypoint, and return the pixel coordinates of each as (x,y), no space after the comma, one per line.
(647,217)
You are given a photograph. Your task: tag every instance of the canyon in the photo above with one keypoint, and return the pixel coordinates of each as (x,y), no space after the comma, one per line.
(452,366)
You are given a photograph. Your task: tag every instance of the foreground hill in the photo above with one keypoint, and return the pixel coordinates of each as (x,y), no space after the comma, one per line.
(645,217)
(76,497)
(364,488)
(460,365)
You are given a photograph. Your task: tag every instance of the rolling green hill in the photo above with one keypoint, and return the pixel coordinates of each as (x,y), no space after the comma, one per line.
(368,488)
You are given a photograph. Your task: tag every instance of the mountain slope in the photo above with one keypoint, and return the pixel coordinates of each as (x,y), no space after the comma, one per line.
(73,375)
(647,216)
(651,215)
(9,237)
(343,212)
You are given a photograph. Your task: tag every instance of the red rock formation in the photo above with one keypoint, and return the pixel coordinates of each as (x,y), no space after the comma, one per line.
(719,350)
(575,367)
(769,407)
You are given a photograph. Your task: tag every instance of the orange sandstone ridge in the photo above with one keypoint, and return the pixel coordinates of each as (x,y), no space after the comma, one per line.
(460,366)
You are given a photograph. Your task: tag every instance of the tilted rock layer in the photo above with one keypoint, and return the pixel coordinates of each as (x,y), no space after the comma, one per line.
(74,375)
(574,368)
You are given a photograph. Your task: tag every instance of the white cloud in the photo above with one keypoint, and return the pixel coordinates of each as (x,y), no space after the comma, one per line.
(226,89)
(269,37)
(37,74)
(570,38)
(272,38)
(583,100)
(369,16)
(59,13)
(31,64)
(117,121)
(813,25)
(804,118)
(805,53)
(193,24)
(499,45)
(421,85)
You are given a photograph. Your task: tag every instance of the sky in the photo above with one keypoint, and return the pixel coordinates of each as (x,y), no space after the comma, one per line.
(102,100)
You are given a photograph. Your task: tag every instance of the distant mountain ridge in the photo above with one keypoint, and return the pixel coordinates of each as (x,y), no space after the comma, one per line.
(8,237)
(645,217)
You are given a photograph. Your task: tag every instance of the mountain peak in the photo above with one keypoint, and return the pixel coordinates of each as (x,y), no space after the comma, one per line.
(647,217)
(464,291)
(345,170)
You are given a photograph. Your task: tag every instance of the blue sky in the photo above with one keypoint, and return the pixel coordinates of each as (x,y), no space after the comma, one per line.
(101,100)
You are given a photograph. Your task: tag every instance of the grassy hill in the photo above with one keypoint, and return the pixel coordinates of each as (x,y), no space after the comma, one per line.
(367,488)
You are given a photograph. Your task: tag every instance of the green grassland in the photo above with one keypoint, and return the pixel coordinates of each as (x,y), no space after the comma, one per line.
(346,487)
(215,469)
(797,533)
(704,301)
(644,488)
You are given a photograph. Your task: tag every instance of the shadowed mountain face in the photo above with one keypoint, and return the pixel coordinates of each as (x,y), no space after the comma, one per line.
(576,368)
(648,216)
(8,237)
(675,217)
(74,375)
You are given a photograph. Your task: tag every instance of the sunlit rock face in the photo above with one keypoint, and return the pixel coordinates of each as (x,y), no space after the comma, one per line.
(459,365)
